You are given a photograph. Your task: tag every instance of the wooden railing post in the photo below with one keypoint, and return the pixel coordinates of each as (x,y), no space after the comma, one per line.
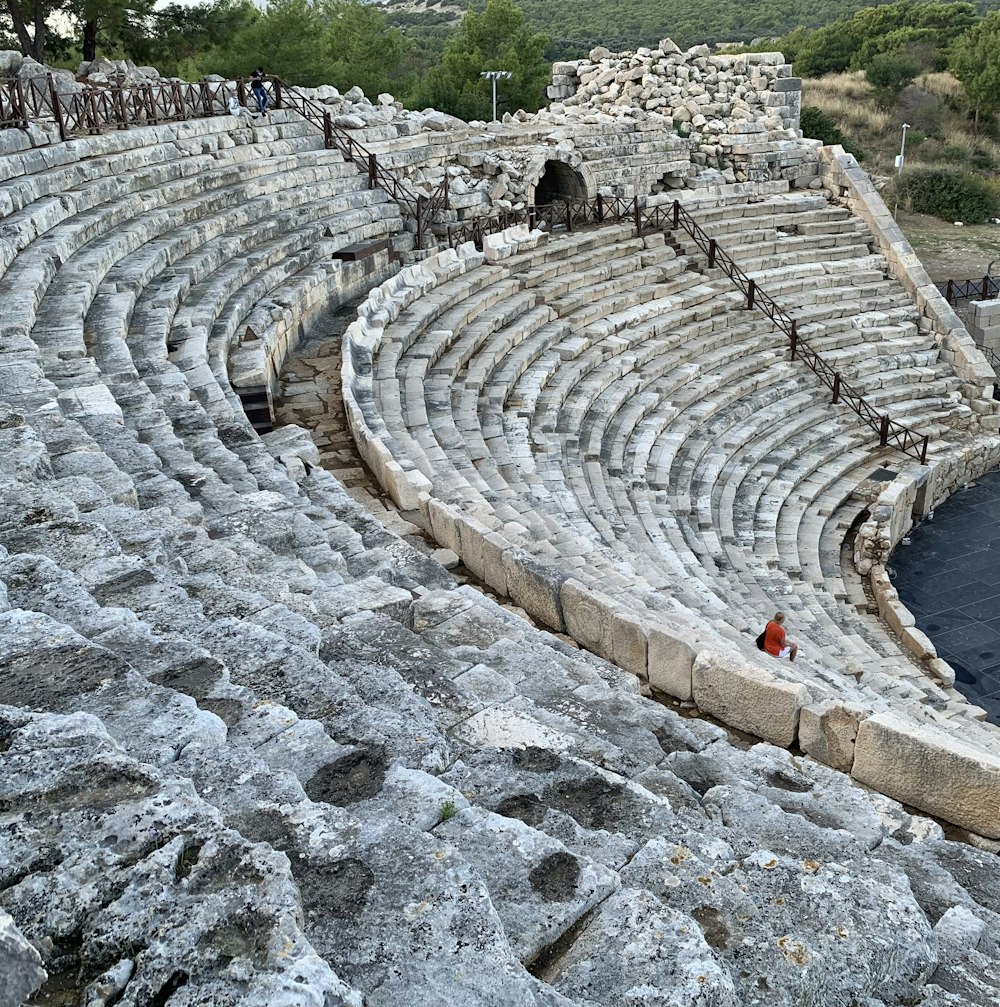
(949,292)
(276,81)
(836,386)
(121,112)
(22,108)
(795,337)
(372,171)
(711,253)
(923,450)
(883,434)
(677,214)
(327,129)
(637,215)
(751,293)
(57,109)
(150,103)
(241,91)
(569,216)
(600,209)
(93,112)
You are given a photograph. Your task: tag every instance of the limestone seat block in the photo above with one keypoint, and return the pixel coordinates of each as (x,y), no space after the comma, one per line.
(919,765)
(748,697)
(828,730)
(671,659)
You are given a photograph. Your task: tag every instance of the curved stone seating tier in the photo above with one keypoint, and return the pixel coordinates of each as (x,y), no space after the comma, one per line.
(248,228)
(182,677)
(602,431)
(259,750)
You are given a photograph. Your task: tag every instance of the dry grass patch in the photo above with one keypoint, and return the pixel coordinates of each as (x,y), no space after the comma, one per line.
(850,101)
(942,85)
(847,86)
(961,140)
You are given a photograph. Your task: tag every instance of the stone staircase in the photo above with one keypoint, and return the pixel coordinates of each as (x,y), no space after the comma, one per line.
(257,750)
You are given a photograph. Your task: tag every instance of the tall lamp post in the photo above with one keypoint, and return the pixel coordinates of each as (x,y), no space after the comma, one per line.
(493,76)
(900,158)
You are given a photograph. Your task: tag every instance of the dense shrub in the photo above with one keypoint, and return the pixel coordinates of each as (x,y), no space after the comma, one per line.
(950,195)
(889,73)
(818,125)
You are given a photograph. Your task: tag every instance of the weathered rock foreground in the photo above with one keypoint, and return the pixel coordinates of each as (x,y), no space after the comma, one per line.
(257,750)
(653,857)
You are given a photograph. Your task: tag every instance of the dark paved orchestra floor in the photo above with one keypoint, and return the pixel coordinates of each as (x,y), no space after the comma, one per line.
(949,578)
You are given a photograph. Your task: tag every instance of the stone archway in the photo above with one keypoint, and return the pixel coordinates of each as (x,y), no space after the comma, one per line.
(559,181)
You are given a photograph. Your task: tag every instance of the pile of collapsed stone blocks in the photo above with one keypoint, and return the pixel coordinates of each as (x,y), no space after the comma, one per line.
(741,112)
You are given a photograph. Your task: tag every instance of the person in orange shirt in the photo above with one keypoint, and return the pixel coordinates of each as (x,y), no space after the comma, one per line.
(776,641)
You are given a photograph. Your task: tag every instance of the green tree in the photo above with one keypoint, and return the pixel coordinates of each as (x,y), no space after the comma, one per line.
(104,19)
(495,38)
(286,39)
(923,30)
(364,50)
(29,21)
(975,62)
(889,73)
(172,38)
(818,125)
(828,50)
(342,42)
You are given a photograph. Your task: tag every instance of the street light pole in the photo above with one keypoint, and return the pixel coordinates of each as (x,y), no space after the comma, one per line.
(900,158)
(493,76)
(902,148)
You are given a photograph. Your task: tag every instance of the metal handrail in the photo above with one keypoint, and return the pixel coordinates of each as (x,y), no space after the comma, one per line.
(992,358)
(890,432)
(93,110)
(986,289)
(615,209)
(423,209)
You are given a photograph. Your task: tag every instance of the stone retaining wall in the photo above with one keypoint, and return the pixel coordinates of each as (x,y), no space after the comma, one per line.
(744,694)
(740,113)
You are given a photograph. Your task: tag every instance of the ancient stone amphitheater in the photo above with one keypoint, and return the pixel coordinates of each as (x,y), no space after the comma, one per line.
(259,749)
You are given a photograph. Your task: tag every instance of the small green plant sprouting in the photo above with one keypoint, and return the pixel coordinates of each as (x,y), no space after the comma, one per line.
(448,810)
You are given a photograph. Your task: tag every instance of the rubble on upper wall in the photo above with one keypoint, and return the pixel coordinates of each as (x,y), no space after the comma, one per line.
(696,91)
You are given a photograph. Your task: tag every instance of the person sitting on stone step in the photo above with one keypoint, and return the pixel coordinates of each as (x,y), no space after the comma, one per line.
(240,111)
(776,641)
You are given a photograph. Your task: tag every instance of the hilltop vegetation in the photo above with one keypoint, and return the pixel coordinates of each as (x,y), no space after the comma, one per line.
(574,28)
(932,64)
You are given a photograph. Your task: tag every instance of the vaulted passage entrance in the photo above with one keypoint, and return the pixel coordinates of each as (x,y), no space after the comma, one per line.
(559,182)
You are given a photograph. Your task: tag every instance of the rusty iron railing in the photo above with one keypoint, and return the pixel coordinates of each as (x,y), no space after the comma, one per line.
(423,209)
(96,109)
(890,432)
(573,213)
(986,289)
